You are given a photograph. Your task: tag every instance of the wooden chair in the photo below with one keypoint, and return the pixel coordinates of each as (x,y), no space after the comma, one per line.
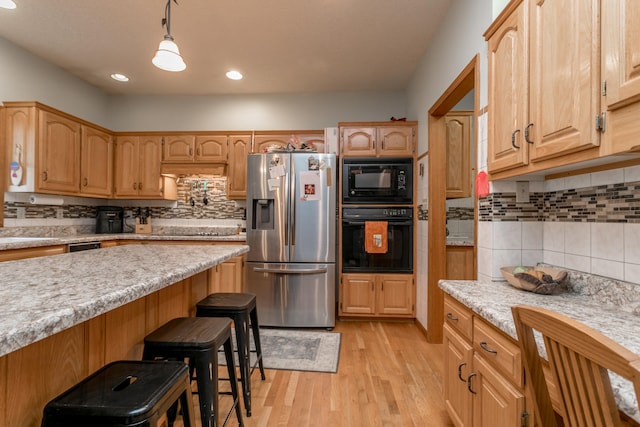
(580,359)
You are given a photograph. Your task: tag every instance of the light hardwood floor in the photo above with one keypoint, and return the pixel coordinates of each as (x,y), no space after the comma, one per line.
(388,375)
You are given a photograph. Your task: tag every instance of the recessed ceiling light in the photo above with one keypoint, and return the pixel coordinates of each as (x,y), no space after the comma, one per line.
(119,77)
(234,75)
(7,4)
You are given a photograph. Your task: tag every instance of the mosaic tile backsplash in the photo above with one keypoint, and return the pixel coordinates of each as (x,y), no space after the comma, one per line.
(217,206)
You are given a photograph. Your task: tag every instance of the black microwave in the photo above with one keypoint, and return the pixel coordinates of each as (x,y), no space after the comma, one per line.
(377,181)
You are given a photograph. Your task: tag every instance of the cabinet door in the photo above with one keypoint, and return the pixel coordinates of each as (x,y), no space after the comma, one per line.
(496,402)
(395,295)
(150,156)
(460,265)
(395,141)
(58,163)
(97,162)
(178,148)
(508,90)
(126,162)
(211,149)
(239,147)
(458,144)
(358,142)
(565,76)
(228,276)
(358,294)
(458,356)
(262,143)
(20,128)
(621,74)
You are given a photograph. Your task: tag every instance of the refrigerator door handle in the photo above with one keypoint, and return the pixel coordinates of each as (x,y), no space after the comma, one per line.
(293,207)
(280,271)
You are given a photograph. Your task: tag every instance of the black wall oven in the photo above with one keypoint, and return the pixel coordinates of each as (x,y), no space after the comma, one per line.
(399,255)
(377,181)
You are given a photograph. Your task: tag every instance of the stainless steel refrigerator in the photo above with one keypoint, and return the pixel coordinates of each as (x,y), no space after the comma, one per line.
(291,231)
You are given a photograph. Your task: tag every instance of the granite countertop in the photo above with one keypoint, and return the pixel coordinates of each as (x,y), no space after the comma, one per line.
(20,242)
(46,295)
(594,304)
(460,241)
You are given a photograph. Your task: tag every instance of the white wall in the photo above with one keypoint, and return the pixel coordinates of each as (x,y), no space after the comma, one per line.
(25,77)
(248,112)
(457,41)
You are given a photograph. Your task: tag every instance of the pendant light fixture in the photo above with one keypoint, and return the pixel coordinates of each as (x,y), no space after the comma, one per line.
(7,4)
(168,56)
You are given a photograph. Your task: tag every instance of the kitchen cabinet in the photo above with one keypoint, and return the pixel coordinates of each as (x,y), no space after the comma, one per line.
(24,253)
(543,94)
(377,295)
(458,147)
(621,75)
(483,373)
(195,148)
(96,165)
(137,161)
(58,154)
(375,139)
(228,276)
(239,148)
(262,142)
(460,263)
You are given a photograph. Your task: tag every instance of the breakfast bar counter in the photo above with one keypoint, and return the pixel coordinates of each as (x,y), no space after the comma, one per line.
(65,316)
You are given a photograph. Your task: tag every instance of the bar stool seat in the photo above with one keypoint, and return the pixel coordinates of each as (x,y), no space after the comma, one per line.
(199,339)
(123,393)
(241,307)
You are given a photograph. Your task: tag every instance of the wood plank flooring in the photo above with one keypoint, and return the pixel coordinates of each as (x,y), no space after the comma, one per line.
(388,375)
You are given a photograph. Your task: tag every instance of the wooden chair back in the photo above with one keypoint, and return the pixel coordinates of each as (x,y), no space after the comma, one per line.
(579,358)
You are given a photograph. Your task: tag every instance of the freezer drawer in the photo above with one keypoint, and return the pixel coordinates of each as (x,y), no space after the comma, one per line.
(293,295)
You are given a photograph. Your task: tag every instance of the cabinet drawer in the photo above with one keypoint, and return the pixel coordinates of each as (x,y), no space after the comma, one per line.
(498,350)
(458,316)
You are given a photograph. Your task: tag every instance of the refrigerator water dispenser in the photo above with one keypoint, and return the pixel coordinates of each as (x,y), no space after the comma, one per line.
(263,214)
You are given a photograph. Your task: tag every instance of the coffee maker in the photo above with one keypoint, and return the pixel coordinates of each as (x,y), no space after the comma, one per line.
(109,219)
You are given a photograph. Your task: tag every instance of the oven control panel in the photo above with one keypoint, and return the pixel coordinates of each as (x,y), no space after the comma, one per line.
(373,213)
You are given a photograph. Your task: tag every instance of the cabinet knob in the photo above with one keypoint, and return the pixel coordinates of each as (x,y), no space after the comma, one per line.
(135,186)
(85,182)
(45,176)
(526,133)
(139,186)
(190,151)
(450,317)
(513,139)
(198,151)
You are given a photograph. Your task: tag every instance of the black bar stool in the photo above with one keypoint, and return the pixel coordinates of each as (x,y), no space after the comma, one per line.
(242,309)
(124,393)
(198,339)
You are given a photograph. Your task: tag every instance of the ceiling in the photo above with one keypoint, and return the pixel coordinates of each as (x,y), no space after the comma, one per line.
(281,46)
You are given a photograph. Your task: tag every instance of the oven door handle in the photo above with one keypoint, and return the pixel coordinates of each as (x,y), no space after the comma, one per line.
(390,222)
(280,271)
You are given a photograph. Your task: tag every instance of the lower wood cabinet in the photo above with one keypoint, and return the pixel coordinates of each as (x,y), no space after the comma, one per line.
(460,263)
(24,253)
(483,373)
(377,295)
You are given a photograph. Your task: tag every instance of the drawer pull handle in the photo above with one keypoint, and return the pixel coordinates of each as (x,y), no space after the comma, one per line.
(460,371)
(513,139)
(469,383)
(526,133)
(450,317)
(483,345)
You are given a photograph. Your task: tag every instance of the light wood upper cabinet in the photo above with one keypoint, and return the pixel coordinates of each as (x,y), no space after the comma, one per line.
(508,78)
(195,148)
(377,141)
(239,147)
(543,101)
(211,148)
(179,148)
(58,154)
(565,77)
(380,295)
(458,144)
(137,160)
(621,74)
(263,142)
(96,166)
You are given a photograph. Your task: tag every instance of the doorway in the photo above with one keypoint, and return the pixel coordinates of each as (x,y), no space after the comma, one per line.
(466,81)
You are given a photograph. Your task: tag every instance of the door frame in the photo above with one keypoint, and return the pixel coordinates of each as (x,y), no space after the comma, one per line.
(468,79)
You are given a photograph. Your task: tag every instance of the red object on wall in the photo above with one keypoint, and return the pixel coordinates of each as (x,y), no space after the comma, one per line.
(482,184)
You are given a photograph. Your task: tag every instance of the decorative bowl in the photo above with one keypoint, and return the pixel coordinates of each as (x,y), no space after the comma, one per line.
(551,283)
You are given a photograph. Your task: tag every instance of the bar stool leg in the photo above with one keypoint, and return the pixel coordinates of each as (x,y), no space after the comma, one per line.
(241,323)
(233,379)
(207,379)
(256,340)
